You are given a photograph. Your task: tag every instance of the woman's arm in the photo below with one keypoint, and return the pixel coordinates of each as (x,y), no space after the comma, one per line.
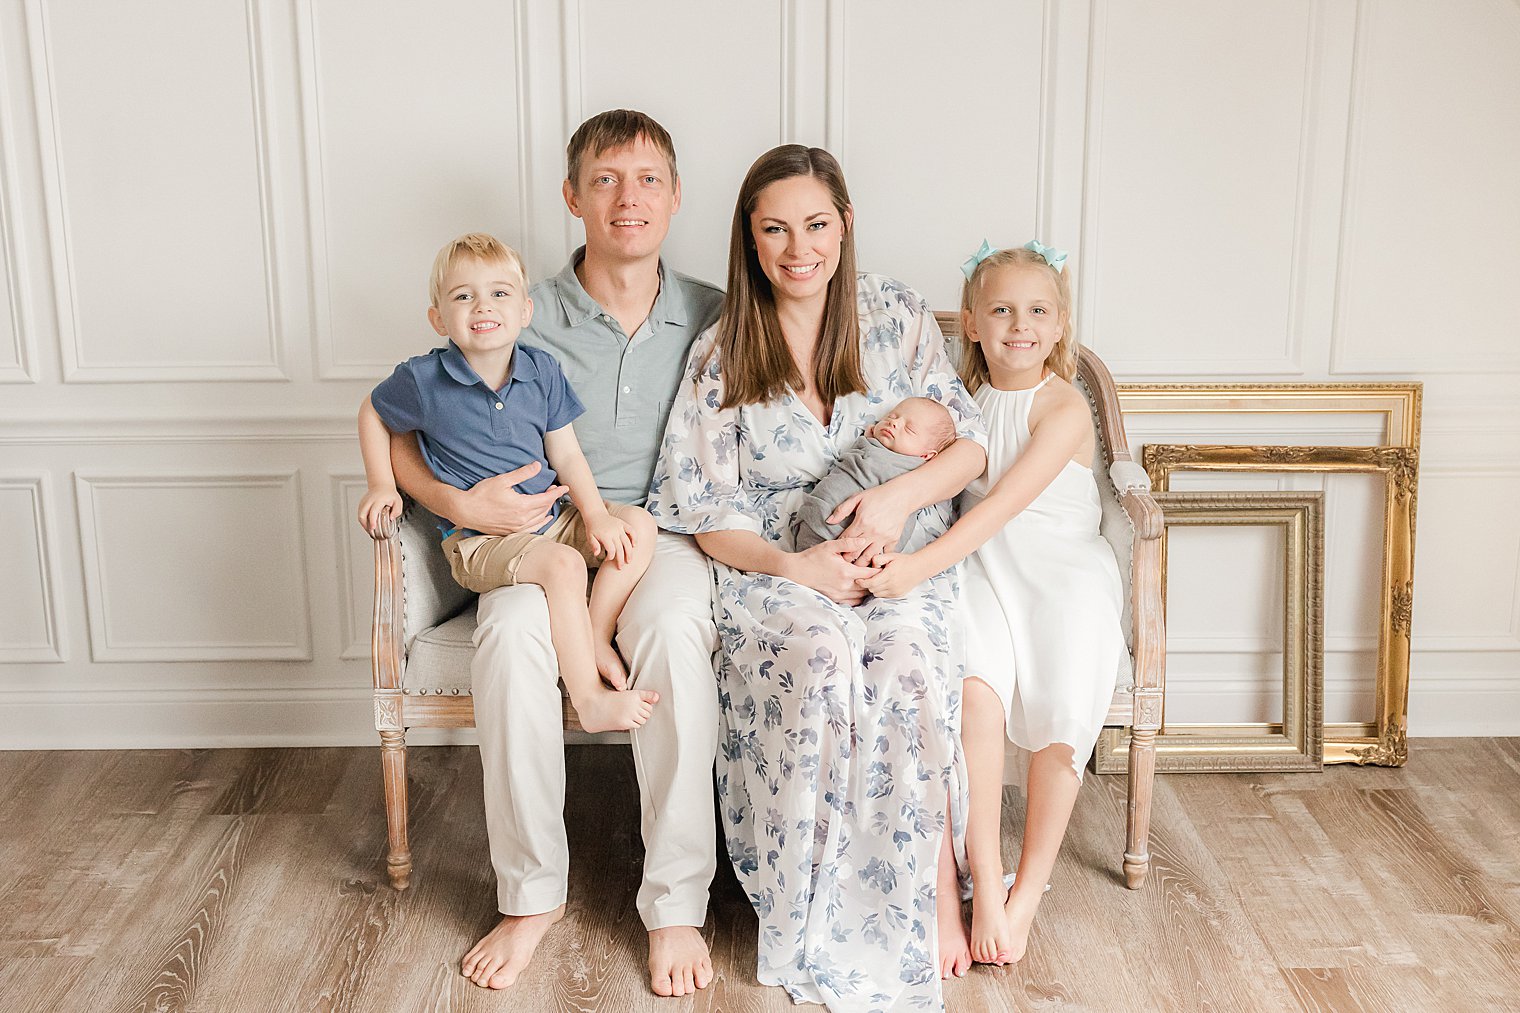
(823,567)
(1055,441)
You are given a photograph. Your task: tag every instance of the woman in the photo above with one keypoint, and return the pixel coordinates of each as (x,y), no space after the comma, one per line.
(840,712)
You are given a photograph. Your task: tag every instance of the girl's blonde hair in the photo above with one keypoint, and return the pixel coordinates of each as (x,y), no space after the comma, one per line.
(1062,359)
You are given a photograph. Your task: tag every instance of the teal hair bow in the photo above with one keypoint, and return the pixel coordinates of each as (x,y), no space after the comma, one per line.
(983,252)
(1054,257)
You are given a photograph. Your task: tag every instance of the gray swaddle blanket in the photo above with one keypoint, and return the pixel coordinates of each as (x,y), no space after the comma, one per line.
(864,466)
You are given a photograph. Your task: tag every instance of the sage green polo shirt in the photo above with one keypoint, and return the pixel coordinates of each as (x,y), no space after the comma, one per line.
(627,384)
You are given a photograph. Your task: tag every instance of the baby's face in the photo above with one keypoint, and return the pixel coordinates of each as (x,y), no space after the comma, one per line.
(915,428)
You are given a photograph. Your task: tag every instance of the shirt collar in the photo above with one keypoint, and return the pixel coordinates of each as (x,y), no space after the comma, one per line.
(579,306)
(458,367)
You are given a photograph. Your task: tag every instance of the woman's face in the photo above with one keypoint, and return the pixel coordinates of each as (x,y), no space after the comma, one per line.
(797,233)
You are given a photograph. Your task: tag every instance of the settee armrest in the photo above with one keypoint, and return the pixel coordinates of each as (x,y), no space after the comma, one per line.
(1147,614)
(414,590)
(387,655)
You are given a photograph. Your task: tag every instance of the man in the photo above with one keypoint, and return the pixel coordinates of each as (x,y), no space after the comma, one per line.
(620,323)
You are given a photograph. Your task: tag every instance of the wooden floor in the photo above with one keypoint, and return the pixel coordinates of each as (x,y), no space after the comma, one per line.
(231,880)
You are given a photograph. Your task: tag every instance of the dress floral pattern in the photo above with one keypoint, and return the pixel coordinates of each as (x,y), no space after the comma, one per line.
(840,726)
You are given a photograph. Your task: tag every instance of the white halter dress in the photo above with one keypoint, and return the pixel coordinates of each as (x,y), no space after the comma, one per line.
(1042,598)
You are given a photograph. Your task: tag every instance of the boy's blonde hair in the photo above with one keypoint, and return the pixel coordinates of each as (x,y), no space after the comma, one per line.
(1062,359)
(479,246)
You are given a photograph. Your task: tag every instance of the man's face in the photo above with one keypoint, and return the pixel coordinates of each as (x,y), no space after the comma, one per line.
(626,197)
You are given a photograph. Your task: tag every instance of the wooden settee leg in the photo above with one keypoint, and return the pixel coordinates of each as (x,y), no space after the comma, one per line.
(398,861)
(1142,775)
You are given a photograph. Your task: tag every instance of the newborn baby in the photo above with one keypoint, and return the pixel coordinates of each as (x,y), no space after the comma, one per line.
(907,436)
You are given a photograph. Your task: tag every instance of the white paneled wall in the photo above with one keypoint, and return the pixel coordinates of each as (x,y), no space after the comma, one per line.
(216,221)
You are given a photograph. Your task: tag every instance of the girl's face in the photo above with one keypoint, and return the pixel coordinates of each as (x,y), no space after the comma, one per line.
(1017,320)
(797,233)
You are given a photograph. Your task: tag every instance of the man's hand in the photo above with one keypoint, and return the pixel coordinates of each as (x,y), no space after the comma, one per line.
(880,514)
(493,507)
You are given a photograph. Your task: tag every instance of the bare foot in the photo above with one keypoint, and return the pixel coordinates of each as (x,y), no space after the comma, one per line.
(991,942)
(679,963)
(612,710)
(954,953)
(1019,914)
(503,954)
(609,665)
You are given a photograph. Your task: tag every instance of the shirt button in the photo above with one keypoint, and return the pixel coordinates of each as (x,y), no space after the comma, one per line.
(627,390)
(498,406)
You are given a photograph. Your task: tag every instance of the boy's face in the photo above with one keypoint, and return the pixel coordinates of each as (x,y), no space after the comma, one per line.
(484,305)
(626,197)
(912,428)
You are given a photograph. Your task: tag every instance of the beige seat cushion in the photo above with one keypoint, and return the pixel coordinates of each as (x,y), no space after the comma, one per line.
(439,661)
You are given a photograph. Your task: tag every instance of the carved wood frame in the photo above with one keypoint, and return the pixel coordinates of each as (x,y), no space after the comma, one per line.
(1296,742)
(1383,741)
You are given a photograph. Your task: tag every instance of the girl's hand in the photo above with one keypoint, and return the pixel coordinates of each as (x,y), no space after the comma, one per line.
(610,538)
(900,573)
(880,514)
(375,505)
(826,568)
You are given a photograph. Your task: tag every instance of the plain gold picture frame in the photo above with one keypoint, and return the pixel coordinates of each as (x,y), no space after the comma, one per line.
(1296,743)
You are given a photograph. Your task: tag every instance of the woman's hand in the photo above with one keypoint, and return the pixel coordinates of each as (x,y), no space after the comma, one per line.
(880,514)
(610,538)
(826,568)
(375,505)
(900,573)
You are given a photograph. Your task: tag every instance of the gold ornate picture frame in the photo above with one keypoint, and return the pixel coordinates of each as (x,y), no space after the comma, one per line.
(1382,741)
(1398,404)
(1295,743)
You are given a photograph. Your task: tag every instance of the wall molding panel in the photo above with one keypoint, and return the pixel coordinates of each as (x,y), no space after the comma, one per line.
(18,317)
(48,578)
(79,363)
(108,571)
(355,603)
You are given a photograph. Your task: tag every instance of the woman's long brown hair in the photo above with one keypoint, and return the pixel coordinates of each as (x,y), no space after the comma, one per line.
(757,365)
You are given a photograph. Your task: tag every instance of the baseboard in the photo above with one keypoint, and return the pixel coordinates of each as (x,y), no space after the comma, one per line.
(207,718)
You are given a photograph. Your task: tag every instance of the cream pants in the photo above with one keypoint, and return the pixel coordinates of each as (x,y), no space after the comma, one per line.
(667,635)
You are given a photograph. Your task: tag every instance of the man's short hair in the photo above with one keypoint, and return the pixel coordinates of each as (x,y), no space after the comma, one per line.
(478,246)
(615,128)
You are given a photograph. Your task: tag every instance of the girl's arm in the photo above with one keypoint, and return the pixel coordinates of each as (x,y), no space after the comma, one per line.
(609,536)
(380,495)
(1055,441)
(823,567)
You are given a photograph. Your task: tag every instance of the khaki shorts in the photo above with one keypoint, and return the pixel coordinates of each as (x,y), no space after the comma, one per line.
(482,563)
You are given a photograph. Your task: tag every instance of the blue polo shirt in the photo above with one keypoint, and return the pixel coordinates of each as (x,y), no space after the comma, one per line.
(469,432)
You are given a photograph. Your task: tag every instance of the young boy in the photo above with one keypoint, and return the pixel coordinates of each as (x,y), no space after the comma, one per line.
(907,436)
(483,406)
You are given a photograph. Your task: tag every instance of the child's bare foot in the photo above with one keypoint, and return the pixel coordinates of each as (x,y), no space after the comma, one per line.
(1019,915)
(503,954)
(609,665)
(612,710)
(954,953)
(679,963)
(991,941)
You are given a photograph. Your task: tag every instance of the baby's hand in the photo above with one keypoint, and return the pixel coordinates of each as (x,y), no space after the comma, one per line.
(610,539)
(900,573)
(375,505)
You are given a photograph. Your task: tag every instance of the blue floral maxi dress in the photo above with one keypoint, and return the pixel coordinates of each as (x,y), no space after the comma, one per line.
(840,726)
